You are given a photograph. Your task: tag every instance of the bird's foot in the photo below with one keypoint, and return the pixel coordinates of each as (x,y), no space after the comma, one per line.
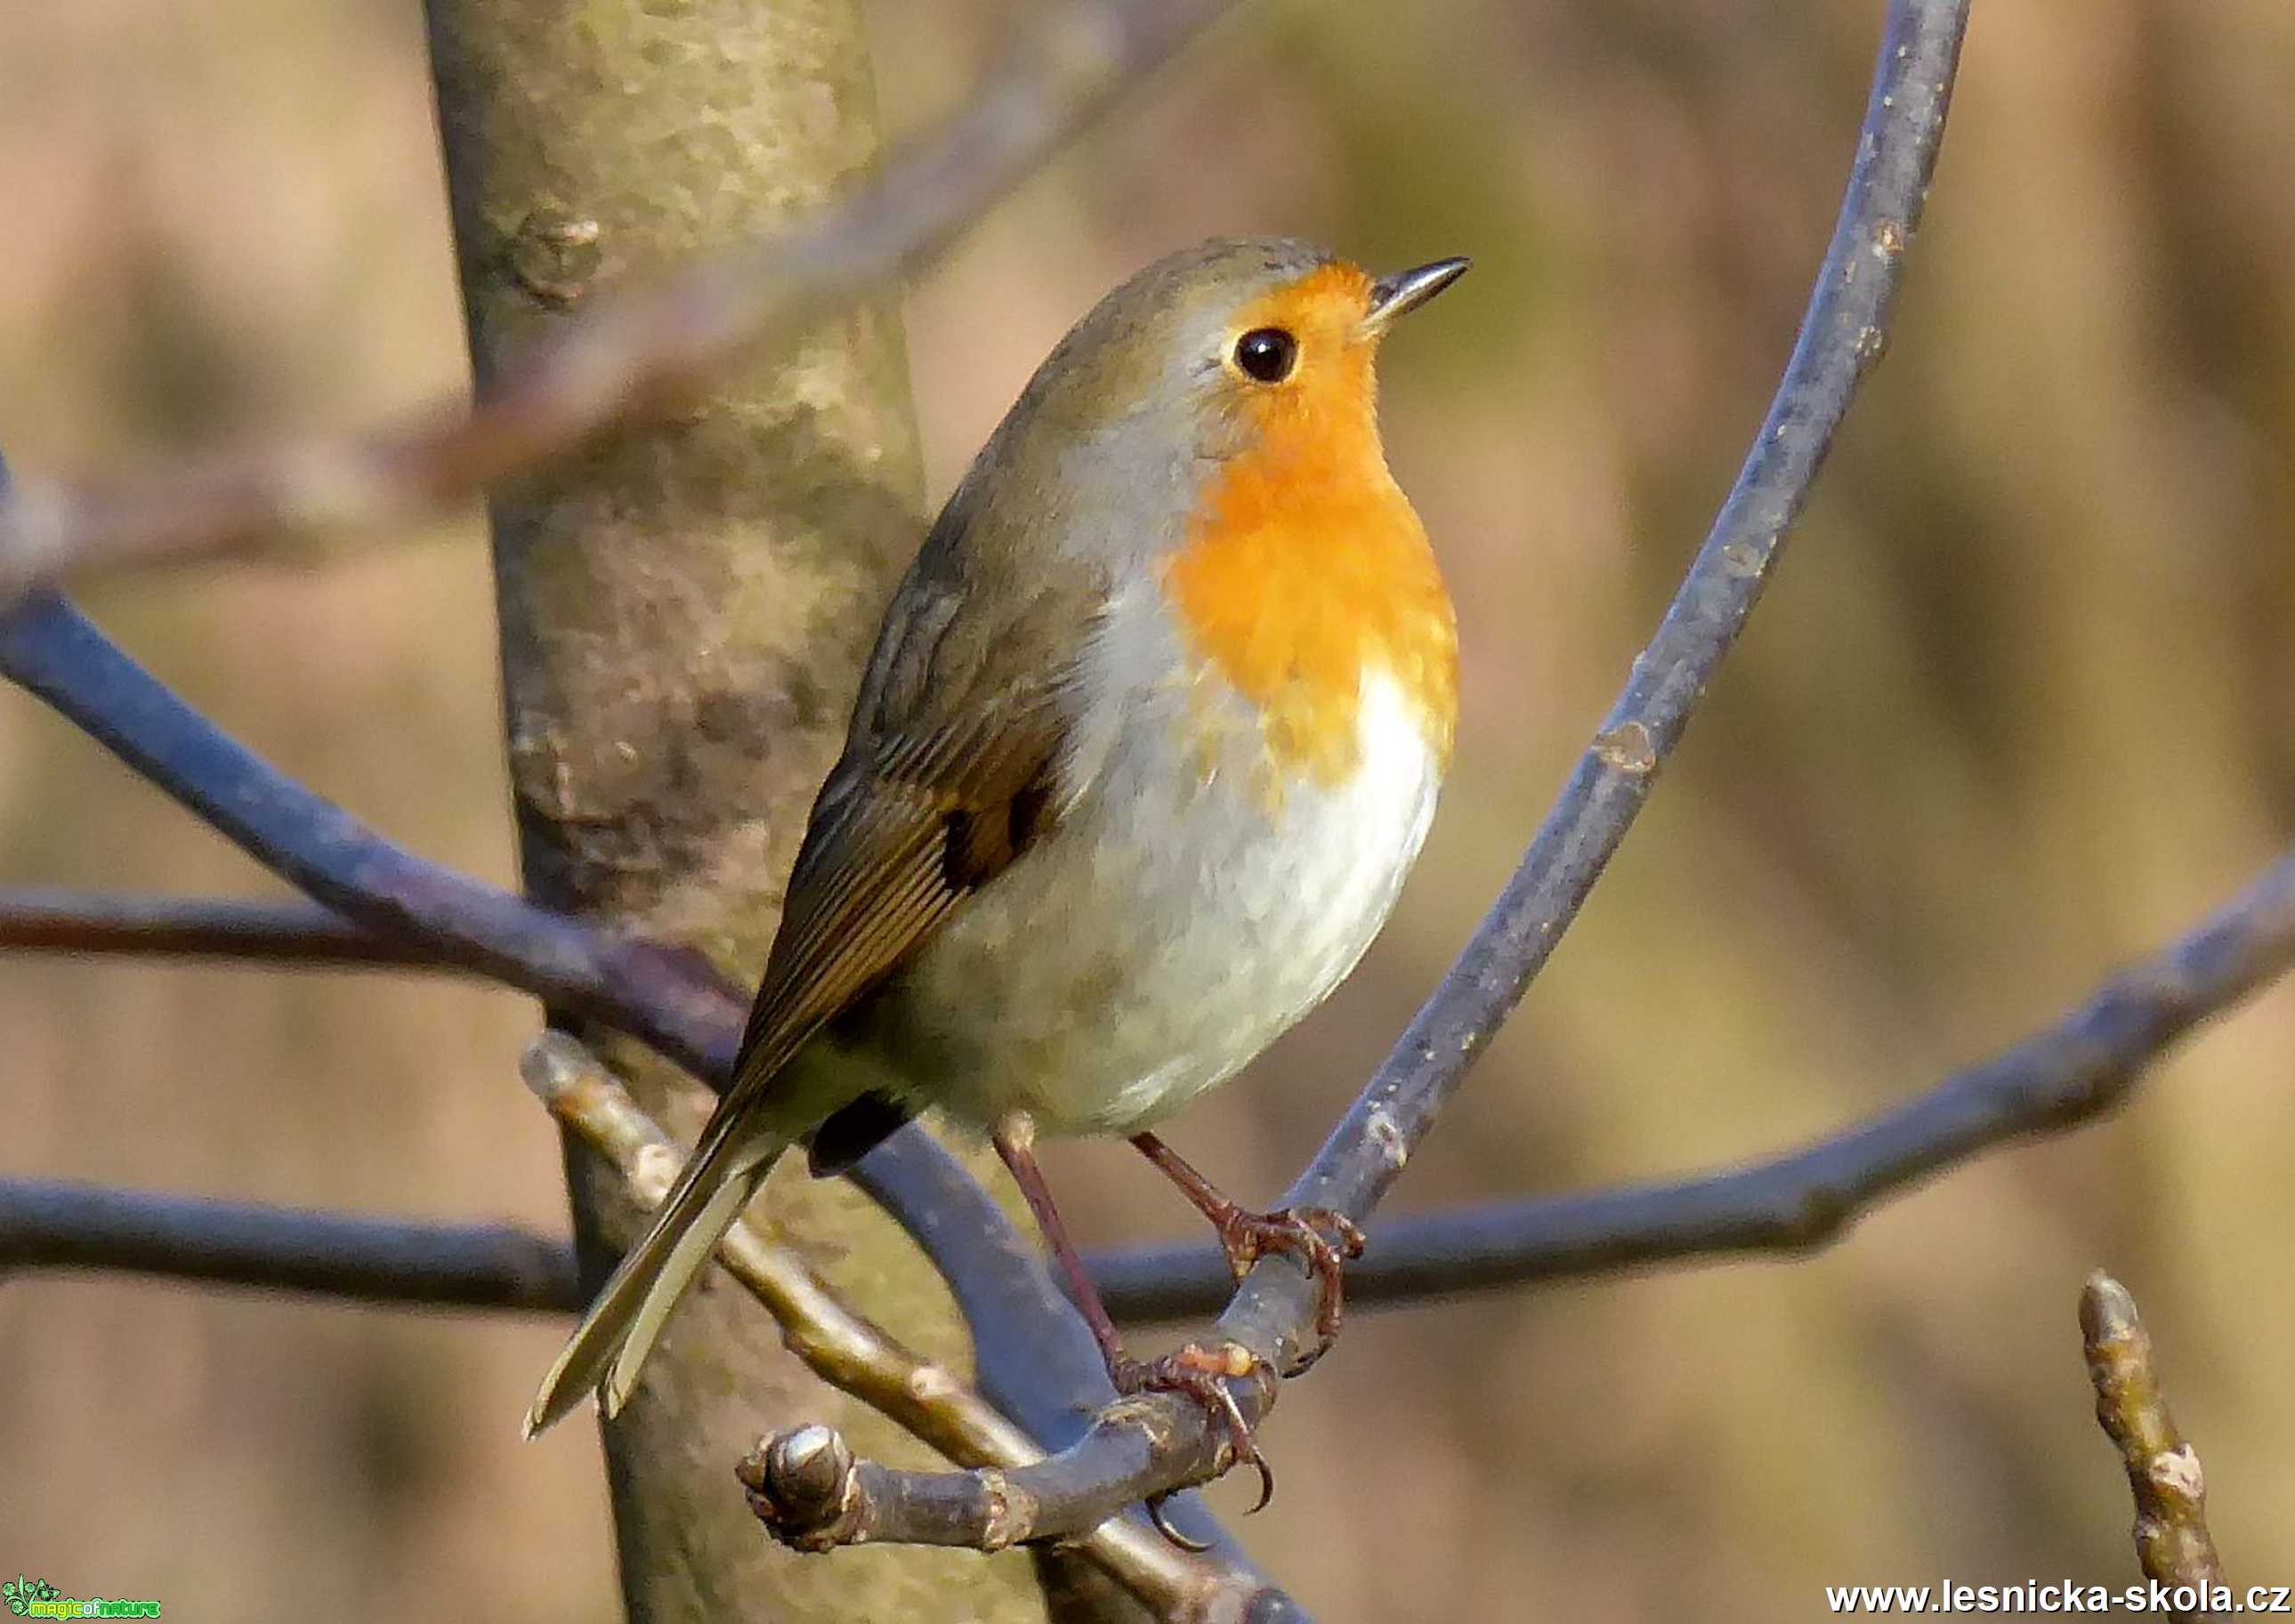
(1299,1232)
(1203,1373)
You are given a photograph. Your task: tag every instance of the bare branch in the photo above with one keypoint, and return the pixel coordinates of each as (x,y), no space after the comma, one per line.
(292,933)
(845,1347)
(1843,333)
(2062,1078)
(815,1494)
(633,357)
(1159,1441)
(2163,1471)
(2070,1073)
(48,1225)
(670,998)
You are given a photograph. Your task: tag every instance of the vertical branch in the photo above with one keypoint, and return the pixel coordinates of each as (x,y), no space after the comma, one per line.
(683,613)
(2163,1471)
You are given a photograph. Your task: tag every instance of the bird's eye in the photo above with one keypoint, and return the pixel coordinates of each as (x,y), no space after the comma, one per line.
(1267,354)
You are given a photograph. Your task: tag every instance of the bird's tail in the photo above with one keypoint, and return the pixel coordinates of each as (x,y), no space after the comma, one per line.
(608,1348)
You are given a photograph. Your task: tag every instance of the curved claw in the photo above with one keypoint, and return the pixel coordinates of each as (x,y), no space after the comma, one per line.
(1266,1484)
(1306,1358)
(1185,1542)
(1202,1374)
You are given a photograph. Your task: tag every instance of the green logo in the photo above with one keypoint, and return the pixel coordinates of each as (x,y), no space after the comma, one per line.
(36,1598)
(20,1592)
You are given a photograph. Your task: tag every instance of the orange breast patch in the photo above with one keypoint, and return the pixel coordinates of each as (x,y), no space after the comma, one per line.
(1304,567)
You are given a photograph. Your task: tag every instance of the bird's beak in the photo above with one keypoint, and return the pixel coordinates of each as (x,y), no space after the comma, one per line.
(1405,290)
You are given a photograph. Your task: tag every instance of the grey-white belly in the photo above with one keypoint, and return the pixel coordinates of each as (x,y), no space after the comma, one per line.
(1183,913)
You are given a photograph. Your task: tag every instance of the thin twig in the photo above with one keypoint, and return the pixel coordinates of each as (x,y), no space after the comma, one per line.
(2163,1471)
(851,1352)
(625,359)
(293,933)
(1149,1446)
(2057,1078)
(54,1225)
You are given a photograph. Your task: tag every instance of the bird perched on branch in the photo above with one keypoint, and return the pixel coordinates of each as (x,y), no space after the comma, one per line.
(1150,737)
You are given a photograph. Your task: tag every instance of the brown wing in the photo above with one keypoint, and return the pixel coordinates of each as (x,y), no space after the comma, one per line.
(946,778)
(949,775)
(901,847)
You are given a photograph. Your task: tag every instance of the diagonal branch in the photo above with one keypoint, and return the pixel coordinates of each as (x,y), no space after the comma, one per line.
(845,1347)
(1145,1447)
(1842,336)
(2068,1075)
(671,999)
(632,357)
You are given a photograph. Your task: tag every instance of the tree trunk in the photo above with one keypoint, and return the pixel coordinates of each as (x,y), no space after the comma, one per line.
(684,611)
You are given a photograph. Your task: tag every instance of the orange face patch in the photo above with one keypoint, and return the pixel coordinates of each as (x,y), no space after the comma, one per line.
(1305,565)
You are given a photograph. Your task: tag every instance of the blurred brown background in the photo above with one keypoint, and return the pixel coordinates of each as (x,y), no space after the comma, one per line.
(2017,708)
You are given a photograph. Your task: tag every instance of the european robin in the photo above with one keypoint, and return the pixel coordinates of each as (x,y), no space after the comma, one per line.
(1150,737)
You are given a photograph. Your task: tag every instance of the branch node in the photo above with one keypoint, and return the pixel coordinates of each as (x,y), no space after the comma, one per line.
(931,1383)
(1817,1217)
(555,255)
(1385,1133)
(552,1064)
(1008,1513)
(2176,1474)
(1628,747)
(805,1487)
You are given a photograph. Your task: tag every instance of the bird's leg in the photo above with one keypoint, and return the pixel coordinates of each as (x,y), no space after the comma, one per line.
(1200,1372)
(1249,1237)
(1016,1142)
